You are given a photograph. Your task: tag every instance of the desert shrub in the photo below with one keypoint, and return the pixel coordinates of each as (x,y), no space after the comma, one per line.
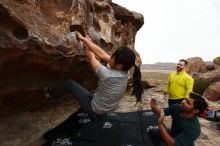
(200,85)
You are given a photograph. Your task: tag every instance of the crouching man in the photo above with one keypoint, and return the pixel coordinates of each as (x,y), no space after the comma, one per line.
(185,127)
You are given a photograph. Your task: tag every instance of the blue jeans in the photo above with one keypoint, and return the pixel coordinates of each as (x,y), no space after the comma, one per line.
(83,96)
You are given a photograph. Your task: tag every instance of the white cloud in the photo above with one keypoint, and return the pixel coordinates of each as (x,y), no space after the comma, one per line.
(175,29)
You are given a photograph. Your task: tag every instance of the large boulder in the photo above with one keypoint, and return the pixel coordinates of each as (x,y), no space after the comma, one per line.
(212,93)
(38,46)
(195,64)
(211,76)
(216,63)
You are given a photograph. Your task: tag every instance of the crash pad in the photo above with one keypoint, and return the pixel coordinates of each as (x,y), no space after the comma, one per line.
(112,129)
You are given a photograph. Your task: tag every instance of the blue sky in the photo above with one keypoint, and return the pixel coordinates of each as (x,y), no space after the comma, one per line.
(175,29)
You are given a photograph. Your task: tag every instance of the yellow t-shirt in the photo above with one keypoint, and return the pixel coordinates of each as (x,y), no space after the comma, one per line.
(179,85)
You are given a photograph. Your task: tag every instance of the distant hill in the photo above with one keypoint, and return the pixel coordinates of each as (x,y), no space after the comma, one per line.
(159,66)
(164,66)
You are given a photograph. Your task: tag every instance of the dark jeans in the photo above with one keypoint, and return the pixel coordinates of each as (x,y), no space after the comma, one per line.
(156,137)
(171,101)
(83,96)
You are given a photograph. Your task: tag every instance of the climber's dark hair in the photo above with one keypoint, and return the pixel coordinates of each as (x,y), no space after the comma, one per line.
(126,57)
(137,83)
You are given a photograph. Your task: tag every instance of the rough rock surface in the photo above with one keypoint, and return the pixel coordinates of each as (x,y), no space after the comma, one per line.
(25,127)
(212,93)
(211,74)
(196,64)
(216,63)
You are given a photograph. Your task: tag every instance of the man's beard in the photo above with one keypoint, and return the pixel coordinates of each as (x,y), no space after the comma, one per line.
(179,69)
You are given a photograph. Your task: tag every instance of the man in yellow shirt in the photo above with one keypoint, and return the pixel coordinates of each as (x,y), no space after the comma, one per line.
(179,84)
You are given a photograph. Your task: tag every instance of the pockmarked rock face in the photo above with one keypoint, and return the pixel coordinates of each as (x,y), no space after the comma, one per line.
(212,93)
(216,63)
(195,64)
(209,73)
(38,46)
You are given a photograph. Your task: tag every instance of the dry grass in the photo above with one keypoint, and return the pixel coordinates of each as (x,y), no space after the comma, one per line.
(155,74)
